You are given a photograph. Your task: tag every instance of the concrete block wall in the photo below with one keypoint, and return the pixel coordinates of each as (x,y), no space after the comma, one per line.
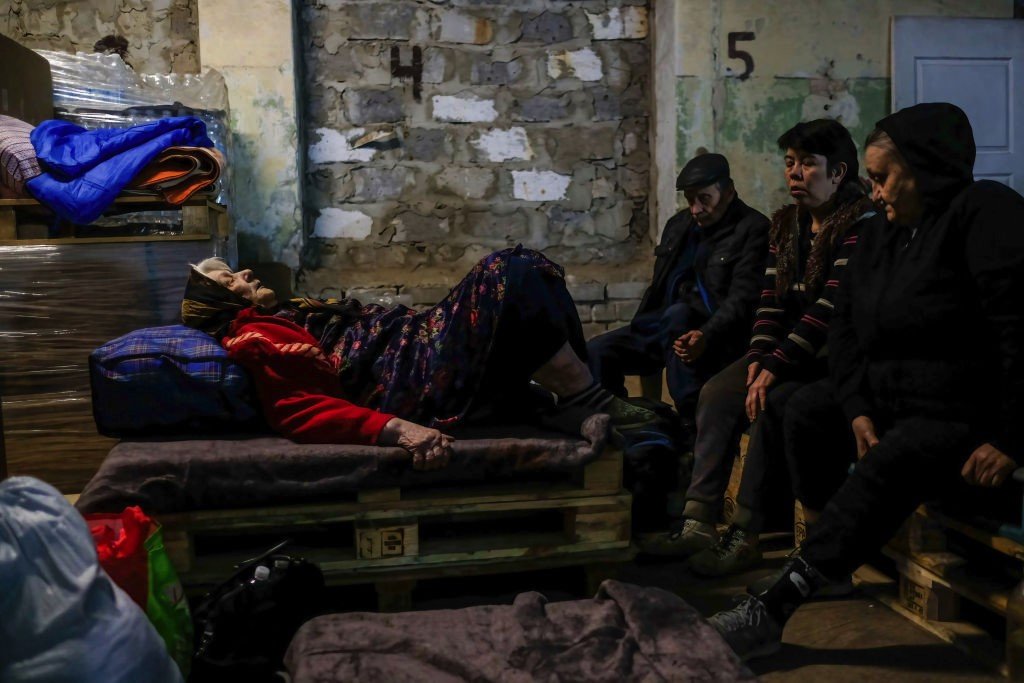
(601,306)
(532,128)
(163,37)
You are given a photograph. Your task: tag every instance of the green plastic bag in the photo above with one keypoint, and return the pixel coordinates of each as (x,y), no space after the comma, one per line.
(166,605)
(131,550)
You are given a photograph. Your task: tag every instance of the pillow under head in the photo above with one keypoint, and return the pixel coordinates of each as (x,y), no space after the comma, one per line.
(170,380)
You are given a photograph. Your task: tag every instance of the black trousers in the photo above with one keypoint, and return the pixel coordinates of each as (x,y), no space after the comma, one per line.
(645,347)
(721,419)
(917,459)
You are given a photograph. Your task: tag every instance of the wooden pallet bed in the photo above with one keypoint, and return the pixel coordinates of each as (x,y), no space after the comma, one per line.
(392,537)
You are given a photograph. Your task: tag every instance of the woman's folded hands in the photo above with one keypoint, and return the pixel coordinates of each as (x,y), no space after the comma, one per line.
(430,449)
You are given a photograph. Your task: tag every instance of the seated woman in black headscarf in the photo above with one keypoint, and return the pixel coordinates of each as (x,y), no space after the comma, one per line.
(330,371)
(926,385)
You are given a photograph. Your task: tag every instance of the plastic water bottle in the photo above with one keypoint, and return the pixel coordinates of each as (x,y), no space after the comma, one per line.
(261,573)
(1015,634)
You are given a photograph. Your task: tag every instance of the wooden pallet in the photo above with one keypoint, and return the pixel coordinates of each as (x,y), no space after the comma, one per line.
(970,639)
(735,476)
(393,537)
(201,219)
(942,562)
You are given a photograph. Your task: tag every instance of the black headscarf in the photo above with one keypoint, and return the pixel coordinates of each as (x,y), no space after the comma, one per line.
(210,306)
(937,141)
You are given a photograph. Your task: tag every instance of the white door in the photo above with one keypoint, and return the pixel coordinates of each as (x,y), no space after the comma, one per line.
(978,65)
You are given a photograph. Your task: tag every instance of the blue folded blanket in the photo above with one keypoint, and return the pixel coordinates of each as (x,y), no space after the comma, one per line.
(85,170)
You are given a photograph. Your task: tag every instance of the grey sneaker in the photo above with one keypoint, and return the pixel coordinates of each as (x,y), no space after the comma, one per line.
(734,552)
(748,629)
(689,537)
(625,415)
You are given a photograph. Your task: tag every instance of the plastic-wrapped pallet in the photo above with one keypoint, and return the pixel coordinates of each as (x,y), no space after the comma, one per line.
(60,302)
(101,91)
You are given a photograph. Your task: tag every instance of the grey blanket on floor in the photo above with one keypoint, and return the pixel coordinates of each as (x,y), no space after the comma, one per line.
(625,633)
(167,476)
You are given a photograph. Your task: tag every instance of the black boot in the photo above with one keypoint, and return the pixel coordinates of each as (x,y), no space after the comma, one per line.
(753,628)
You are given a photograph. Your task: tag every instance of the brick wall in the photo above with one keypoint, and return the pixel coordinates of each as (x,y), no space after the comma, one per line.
(601,306)
(532,127)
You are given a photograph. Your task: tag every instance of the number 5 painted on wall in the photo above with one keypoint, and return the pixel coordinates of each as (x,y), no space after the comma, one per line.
(748,60)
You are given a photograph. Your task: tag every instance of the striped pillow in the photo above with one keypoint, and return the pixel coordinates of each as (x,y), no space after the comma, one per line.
(18,163)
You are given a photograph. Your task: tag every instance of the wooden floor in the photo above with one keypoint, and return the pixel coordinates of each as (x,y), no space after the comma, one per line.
(855,640)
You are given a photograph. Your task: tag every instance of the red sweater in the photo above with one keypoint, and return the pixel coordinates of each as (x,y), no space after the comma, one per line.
(297,386)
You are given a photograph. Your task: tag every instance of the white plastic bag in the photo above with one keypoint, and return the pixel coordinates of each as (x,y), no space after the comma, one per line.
(63,619)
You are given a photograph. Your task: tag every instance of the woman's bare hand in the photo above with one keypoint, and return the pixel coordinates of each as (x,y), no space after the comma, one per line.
(752,371)
(430,449)
(988,466)
(757,394)
(864,432)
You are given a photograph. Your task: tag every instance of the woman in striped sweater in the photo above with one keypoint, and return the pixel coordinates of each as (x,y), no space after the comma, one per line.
(809,244)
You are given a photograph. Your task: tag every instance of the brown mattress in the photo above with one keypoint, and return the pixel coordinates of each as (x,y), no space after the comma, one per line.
(166,476)
(625,633)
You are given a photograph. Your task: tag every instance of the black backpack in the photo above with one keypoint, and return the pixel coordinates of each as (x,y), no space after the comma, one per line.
(244,625)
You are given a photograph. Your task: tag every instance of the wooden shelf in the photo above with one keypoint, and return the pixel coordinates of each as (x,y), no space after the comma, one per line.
(201,219)
(104,240)
(197,200)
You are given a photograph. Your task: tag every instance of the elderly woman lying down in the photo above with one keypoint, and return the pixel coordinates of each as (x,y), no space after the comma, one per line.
(335,371)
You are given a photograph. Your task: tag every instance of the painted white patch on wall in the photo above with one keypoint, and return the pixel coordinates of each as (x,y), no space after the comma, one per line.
(505,145)
(333,146)
(333,42)
(539,186)
(463,109)
(619,23)
(843,107)
(335,223)
(462,28)
(583,64)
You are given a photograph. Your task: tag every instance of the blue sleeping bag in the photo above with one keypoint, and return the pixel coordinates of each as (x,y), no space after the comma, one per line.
(164,380)
(85,170)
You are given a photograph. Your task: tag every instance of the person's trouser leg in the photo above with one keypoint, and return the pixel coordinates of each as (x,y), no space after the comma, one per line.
(765,452)
(818,444)
(720,420)
(618,353)
(915,461)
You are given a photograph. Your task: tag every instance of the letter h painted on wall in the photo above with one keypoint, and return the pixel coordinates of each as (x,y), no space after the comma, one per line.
(398,70)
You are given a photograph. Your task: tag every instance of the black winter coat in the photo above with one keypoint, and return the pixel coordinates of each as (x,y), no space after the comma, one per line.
(929,320)
(936,329)
(731,269)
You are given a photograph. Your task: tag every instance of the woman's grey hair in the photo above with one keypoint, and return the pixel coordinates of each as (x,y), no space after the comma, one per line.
(879,138)
(209,265)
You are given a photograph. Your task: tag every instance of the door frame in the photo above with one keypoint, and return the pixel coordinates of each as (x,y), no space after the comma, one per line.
(663,123)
